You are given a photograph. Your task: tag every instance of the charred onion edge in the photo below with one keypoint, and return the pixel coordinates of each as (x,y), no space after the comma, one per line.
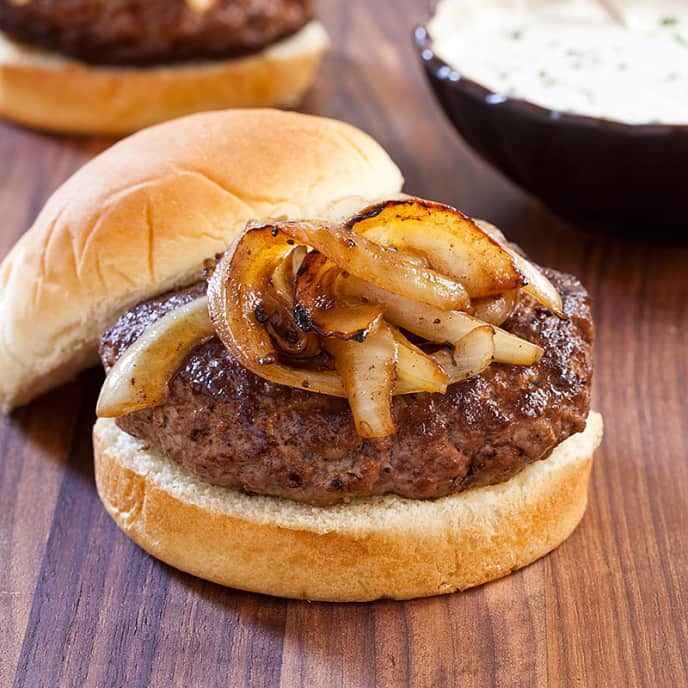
(488,252)
(305,344)
(316,306)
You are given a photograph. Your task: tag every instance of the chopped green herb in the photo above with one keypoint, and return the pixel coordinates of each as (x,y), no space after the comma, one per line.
(681,40)
(516,35)
(669,21)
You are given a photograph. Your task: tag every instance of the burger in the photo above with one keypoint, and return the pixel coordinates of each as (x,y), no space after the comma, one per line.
(112,67)
(317,387)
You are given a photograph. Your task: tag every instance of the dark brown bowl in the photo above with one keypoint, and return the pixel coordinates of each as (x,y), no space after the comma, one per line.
(614,174)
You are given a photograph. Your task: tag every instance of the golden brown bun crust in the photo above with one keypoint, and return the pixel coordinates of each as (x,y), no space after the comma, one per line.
(50,92)
(141,218)
(371,548)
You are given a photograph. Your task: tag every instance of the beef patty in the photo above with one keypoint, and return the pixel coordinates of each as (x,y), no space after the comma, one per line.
(144,32)
(232,428)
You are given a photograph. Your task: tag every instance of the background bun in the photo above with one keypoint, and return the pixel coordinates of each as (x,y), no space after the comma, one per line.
(370,548)
(45,90)
(141,218)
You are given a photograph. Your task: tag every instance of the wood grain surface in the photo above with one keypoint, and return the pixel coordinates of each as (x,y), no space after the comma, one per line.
(81,605)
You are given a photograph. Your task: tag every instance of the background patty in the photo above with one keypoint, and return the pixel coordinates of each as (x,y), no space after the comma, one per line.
(234,429)
(139,32)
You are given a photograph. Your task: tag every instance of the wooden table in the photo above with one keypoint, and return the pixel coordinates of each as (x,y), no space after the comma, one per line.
(81,605)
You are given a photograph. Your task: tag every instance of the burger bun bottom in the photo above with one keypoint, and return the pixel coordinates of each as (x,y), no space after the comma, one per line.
(369,548)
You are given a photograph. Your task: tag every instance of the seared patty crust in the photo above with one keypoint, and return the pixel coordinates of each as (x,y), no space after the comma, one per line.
(234,429)
(145,32)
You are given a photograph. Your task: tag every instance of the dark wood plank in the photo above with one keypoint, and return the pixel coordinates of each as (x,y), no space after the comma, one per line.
(80,605)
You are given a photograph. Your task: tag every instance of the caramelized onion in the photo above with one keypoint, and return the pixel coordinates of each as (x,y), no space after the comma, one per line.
(139,379)
(290,338)
(316,307)
(239,287)
(495,309)
(471,355)
(416,371)
(452,243)
(439,326)
(236,294)
(376,264)
(538,286)
(278,307)
(367,370)
(514,350)
(285,289)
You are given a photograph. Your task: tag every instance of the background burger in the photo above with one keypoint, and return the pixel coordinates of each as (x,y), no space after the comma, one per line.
(355,399)
(111,67)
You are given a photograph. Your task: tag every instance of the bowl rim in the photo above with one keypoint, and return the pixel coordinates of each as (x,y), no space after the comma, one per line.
(443,71)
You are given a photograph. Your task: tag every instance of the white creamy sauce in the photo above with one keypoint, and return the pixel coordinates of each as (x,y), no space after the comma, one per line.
(571,56)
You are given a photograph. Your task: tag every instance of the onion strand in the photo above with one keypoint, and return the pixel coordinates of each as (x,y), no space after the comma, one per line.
(139,379)
(368,370)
